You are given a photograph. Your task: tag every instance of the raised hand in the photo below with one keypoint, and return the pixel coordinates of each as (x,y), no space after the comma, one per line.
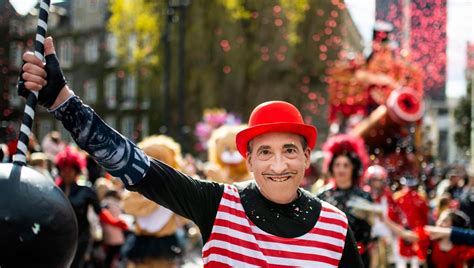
(47,78)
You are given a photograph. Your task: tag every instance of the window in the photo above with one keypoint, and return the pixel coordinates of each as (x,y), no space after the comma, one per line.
(16,51)
(92,50)
(132,44)
(111,90)
(90,91)
(128,126)
(65,53)
(112,49)
(145,126)
(130,89)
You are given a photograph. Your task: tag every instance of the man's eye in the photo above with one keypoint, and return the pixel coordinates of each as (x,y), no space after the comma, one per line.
(290,150)
(264,152)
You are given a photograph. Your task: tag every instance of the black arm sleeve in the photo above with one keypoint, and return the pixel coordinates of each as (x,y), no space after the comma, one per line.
(350,255)
(197,200)
(462,236)
(193,199)
(118,155)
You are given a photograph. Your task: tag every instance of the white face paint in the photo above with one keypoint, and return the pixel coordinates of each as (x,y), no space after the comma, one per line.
(231,158)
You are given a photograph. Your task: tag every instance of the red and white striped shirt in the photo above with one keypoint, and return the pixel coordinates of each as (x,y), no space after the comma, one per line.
(236,241)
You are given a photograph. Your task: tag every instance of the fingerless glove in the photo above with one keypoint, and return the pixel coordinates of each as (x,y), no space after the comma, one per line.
(55,82)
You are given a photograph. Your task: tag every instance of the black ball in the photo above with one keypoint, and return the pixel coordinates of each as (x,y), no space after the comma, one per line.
(38,227)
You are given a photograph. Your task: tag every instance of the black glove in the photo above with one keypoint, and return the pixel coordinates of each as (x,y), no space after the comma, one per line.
(55,81)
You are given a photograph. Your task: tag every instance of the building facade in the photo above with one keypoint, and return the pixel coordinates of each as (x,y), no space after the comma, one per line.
(87,53)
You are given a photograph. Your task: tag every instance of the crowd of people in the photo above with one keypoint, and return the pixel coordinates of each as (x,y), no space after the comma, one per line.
(141,210)
(392,220)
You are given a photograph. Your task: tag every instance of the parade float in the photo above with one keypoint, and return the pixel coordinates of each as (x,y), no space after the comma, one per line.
(379,98)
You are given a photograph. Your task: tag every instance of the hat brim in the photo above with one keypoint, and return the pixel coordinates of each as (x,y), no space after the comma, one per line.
(245,136)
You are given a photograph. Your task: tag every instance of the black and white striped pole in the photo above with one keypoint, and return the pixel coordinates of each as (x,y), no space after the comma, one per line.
(29,114)
(38,227)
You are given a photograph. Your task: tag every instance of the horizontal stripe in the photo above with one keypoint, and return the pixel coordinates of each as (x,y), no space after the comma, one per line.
(232,204)
(329,237)
(231,227)
(232,232)
(312,251)
(218,261)
(229,208)
(321,229)
(327,233)
(236,241)
(231,198)
(332,221)
(234,254)
(272,257)
(333,214)
(274,242)
(331,227)
(330,208)
(300,245)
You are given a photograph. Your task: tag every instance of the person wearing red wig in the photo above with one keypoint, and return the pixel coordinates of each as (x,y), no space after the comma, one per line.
(70,163)
(266,222)
(345,163)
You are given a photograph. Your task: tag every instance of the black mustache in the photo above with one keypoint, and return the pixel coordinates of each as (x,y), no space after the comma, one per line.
(279,174)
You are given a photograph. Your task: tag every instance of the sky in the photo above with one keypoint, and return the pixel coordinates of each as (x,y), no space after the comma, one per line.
(460,29)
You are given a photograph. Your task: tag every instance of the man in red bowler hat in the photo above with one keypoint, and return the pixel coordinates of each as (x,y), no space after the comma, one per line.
(266,222)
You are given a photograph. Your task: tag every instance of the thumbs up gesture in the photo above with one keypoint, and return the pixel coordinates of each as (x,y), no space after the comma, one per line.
(47,78)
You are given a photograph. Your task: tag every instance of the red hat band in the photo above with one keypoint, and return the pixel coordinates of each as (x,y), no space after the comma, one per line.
(275,116)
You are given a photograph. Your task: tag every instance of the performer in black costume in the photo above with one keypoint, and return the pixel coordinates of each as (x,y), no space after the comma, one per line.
(264,222)
(70,163)
(346,168)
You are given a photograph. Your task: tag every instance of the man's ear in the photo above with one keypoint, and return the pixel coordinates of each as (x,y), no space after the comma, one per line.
(248,162)
(307,155)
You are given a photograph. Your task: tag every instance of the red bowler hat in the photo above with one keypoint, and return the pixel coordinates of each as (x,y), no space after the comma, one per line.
(275,116)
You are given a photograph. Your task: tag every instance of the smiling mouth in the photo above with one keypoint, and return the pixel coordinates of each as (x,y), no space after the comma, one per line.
(279,179)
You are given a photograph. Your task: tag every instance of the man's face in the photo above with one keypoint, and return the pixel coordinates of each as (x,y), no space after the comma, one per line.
(278,161)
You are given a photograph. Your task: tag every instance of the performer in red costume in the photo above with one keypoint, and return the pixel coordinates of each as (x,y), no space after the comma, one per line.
(70,163)
(444,253)
(412,214)
(265,222)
